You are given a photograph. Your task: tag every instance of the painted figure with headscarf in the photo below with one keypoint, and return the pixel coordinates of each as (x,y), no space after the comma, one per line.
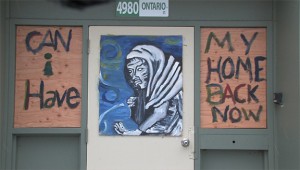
(157,83)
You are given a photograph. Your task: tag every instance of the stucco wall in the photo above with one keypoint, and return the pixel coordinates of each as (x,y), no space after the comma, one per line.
(287,81)
(186,13)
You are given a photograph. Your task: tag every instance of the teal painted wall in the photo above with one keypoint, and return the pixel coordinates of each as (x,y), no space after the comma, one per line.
(188,13)
(2,74)
(52,152)
(179,10)
(238,160)
(287,81)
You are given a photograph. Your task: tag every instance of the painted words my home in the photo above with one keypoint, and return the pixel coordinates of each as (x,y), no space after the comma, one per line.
(48,76)
(233,78)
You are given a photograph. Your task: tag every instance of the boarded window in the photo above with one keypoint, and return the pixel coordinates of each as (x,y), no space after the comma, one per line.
(48,76)
(233,78)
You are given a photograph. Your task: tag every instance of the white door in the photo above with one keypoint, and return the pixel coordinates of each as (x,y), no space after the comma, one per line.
(129,146)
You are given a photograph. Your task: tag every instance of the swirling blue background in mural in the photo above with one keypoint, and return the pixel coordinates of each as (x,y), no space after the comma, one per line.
(113,88)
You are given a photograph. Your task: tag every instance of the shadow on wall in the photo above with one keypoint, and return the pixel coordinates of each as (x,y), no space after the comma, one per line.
(81,4)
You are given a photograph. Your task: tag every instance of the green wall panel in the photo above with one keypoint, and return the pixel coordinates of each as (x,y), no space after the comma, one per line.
(232,160)
(287,81)
(55,149)
(47,152)
(187,10)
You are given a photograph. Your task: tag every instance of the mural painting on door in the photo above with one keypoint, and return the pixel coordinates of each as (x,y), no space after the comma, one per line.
(140,85)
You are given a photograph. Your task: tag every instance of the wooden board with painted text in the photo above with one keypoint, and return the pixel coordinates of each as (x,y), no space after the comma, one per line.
(233,78)
(48,76)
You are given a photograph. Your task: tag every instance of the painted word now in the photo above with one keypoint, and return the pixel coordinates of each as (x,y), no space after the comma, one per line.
(235,114)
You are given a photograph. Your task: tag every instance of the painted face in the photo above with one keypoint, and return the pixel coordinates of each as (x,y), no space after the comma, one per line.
(138,72)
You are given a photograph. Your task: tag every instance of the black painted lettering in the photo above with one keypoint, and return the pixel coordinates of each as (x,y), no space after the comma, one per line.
(248,43)
(48,40)
(212,94)
(235,119)
(236,94)
(221,44)
(215,112)
(45,43)
(52,96)
(246,66)
(75,96)
(27,41)
(210,70)
(50,102)
(251,114)
(64,44)
(251,94)
(258,69)
(231,69)
(230,95)
(60,100)
(28,95)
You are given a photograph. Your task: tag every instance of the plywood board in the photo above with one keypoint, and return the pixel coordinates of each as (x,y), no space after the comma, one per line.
(233,78)
(48,76)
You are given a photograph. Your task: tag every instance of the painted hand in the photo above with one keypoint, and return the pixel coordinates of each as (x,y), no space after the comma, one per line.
(131,101)
(121,130)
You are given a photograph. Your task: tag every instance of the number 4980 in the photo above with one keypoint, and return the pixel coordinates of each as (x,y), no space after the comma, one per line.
(129,7)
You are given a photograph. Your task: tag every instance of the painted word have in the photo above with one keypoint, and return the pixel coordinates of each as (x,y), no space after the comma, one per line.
(69,96)
(45,42)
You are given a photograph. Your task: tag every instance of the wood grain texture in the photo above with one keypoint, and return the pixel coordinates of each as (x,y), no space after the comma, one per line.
(66,67)
(221,94)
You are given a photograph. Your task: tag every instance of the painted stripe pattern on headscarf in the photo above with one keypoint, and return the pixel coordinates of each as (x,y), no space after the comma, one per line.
(165,76)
